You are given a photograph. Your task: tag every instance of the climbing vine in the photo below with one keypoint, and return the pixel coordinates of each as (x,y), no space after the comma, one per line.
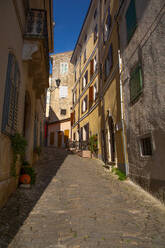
(18,143)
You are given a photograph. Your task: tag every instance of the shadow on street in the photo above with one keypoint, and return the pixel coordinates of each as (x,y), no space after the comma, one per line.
(21,203)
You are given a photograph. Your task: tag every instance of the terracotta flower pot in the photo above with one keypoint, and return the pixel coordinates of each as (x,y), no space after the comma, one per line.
(25,179)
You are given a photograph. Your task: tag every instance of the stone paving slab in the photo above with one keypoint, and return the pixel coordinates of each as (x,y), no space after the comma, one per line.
(77,204)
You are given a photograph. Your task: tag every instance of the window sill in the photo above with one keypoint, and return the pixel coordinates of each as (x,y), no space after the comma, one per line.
(136,99)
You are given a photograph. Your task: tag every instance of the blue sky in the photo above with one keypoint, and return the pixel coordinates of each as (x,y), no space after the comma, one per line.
(69,16)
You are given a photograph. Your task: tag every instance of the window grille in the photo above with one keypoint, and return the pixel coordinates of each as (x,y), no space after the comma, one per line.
(146,146)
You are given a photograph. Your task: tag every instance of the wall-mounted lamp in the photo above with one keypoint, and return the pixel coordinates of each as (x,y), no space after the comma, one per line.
(52,88)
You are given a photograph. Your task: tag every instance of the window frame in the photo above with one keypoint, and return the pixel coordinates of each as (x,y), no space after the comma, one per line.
(11,97)
(63,110)
(62,66)
(141,146)
(109,62)
(84,103)
(130,32)
(60,88)
(134,71)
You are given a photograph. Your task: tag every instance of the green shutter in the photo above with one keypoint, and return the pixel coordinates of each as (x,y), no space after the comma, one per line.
(131,19)
(136,83)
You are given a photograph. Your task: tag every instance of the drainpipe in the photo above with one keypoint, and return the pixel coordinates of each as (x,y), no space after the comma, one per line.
(122,115)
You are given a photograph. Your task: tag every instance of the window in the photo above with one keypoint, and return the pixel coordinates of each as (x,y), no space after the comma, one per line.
(107,26)
(10,107)
(63,68)
(63,91)
(109,62)
(136,83)
(95,33)
(91,68)
(146,146)
(86,132)
(85,38)
(95,14)
(75,96)
(85,80)
(63,111)
(95,91)
(84,104)
(85,56)
(131,19)
(90,96)
(95,64)
(75,77)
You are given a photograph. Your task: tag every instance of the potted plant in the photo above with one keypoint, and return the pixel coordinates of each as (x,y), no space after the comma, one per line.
(93,145)
(28,175)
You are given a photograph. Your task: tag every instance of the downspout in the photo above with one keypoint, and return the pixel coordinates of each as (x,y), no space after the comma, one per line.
(122,115)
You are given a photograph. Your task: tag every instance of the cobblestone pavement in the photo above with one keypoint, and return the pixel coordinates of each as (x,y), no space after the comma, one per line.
(77,204)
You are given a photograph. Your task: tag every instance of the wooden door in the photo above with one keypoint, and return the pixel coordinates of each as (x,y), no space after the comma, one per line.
(60,138)
(66,136)
(52,138)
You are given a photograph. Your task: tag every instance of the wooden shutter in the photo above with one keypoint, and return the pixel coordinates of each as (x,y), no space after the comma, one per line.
(131,19)
(136,83)
(90,96)
(91,68)
(6,105)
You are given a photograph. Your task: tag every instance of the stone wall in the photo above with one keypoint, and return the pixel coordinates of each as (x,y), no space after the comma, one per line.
(146,116)
(57,103)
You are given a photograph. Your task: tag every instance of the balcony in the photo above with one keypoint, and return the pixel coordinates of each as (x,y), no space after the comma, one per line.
(36,50)
(36,24)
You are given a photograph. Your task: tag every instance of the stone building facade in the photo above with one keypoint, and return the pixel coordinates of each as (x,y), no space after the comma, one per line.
(85,122)
(142,37)
(60,100)
(96,93)
(26,40)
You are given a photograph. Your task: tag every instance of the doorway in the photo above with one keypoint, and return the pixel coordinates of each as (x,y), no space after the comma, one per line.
(111,139)
(52,138)
(60,134)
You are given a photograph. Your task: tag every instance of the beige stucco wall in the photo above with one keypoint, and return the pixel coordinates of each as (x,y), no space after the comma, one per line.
(11,28)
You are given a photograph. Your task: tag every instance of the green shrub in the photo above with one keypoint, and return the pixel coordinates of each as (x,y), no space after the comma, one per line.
(121,175)
(18,144)
(93,143)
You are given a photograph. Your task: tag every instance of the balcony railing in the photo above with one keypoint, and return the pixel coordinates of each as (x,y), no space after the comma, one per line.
(36,24)
(79,145)
(36,28)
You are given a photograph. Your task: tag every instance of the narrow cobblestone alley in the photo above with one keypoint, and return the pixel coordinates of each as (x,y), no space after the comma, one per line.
(76,203)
